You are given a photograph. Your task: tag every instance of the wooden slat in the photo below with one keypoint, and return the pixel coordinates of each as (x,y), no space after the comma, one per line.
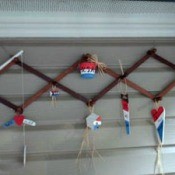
(164,61)
(8,104)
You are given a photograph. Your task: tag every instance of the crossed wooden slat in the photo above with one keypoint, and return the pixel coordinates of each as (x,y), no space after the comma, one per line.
(92,101)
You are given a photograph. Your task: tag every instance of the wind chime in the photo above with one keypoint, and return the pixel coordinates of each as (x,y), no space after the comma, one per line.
(19,119)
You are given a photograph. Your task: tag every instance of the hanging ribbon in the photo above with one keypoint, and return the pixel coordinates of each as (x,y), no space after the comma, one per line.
(94,59)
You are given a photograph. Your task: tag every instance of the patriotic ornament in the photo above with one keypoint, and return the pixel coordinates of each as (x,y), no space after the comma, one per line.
(88,65)
(125,109)
(158,116)
(19,120)
(54,92)
(87,69)
(93,121)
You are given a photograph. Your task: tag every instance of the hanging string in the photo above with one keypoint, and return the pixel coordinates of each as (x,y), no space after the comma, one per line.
(125,89)
(90,107)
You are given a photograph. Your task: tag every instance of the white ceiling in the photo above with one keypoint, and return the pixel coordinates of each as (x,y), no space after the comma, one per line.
(86,18)
(105,6)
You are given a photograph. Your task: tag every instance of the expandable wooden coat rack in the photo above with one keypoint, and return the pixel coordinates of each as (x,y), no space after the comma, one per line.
(118,77)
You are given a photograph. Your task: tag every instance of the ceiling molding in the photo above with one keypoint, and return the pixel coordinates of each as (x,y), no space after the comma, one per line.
(86,25)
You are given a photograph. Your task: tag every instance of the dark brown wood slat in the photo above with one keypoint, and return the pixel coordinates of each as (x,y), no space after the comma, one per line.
(136,65)
(104,91)
(7,67)
(166,90)
(8,104)
(164,61)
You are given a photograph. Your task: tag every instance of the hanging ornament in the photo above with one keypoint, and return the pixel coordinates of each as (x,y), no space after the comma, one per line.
(19,120)
(125,109)
(88,66)
(54,93)
(93,122)
(158,115)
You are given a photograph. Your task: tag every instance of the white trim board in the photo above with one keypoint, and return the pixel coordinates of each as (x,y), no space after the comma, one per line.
(66,25)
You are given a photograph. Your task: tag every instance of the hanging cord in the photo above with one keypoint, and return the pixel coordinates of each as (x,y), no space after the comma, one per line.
(158,162)
(124,89)
(90,107)
(101,66)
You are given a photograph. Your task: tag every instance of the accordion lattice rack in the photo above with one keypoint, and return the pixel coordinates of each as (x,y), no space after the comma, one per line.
(117,78)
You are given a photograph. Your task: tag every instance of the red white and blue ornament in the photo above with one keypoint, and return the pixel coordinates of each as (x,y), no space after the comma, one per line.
(88,66)
(19,120)
(125,109)
(54,93)
(93,121)
(158,116)
(87,69)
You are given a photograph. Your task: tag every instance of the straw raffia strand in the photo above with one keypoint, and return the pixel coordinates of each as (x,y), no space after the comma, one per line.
(89,146)
(101,66)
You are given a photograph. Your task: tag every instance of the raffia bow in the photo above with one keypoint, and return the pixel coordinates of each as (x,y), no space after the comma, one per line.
(94,59)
